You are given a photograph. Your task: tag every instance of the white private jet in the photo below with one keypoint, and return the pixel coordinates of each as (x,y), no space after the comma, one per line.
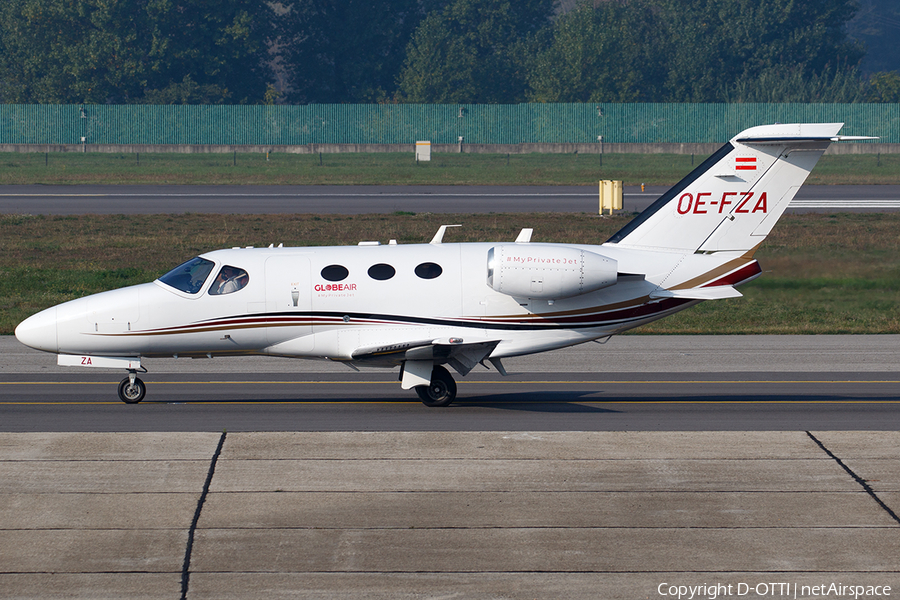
(424,306)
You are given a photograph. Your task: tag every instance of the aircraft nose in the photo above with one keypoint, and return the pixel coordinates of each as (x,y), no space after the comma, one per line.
(39,331)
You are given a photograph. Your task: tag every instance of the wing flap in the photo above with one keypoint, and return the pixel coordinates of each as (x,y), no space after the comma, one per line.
(462,356)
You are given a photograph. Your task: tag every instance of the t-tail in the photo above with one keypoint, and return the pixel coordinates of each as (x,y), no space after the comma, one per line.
(732,200)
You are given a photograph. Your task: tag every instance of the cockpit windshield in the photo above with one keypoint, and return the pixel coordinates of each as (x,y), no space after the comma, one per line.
(189,277)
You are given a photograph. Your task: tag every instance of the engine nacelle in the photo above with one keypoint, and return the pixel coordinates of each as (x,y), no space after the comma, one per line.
(548,272)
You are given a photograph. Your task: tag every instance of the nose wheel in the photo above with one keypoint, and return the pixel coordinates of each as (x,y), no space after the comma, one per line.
(441,391)
(132,390)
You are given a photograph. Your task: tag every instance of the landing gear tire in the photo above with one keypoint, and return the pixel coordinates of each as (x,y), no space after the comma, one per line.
(441,391)
(132,393)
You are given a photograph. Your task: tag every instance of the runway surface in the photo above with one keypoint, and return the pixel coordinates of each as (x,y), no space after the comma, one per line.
(646,383)
(618,471)
(149,199)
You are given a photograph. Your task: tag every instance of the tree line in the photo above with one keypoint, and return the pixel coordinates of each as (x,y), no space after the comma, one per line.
(432,51)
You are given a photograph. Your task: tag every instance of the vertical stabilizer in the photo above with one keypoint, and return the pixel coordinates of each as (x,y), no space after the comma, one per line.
(732,200)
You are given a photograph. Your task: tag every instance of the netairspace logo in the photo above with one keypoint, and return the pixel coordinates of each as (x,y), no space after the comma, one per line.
(771,590)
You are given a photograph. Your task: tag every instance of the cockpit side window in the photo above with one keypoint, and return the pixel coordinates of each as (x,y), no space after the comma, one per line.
(229,280)
(189,277)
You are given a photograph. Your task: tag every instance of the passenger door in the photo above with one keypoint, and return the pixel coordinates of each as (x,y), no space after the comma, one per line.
(288,300)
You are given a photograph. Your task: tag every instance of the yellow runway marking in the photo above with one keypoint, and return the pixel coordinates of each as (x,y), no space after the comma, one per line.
(412,400)
(471,382)
(155,383)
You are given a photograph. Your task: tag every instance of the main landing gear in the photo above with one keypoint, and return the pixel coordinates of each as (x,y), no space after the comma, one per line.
(441,391)
(131,389)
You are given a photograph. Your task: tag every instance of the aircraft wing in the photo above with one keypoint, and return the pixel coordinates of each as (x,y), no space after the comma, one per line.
(461,355)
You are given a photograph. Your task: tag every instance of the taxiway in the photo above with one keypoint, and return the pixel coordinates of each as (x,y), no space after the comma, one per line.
(161,199)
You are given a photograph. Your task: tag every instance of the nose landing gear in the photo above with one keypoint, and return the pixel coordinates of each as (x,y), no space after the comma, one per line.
(131,389)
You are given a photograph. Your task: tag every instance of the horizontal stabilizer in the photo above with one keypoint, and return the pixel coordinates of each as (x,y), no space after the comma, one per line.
(719,292)
(853,138)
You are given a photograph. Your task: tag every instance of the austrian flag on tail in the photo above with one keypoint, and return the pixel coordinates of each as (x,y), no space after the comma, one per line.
(745,163)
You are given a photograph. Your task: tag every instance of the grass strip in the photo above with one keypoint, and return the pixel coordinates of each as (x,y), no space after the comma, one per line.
(823,273)
(396,169)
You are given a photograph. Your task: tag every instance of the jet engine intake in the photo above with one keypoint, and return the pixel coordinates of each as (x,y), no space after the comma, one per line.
(548,272)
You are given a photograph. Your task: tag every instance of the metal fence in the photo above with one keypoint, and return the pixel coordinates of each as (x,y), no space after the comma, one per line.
(439,123)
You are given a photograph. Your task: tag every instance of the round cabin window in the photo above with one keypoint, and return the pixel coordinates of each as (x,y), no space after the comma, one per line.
(335,273)
(429,270)
(381,271)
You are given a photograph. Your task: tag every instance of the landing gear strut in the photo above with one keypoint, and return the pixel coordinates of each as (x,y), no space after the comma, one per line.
(441,391)
(131,389)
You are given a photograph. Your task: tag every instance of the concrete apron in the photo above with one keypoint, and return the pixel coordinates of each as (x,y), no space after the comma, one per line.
(461,515)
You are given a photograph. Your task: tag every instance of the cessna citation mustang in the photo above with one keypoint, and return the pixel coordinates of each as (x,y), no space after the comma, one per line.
(424,307)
